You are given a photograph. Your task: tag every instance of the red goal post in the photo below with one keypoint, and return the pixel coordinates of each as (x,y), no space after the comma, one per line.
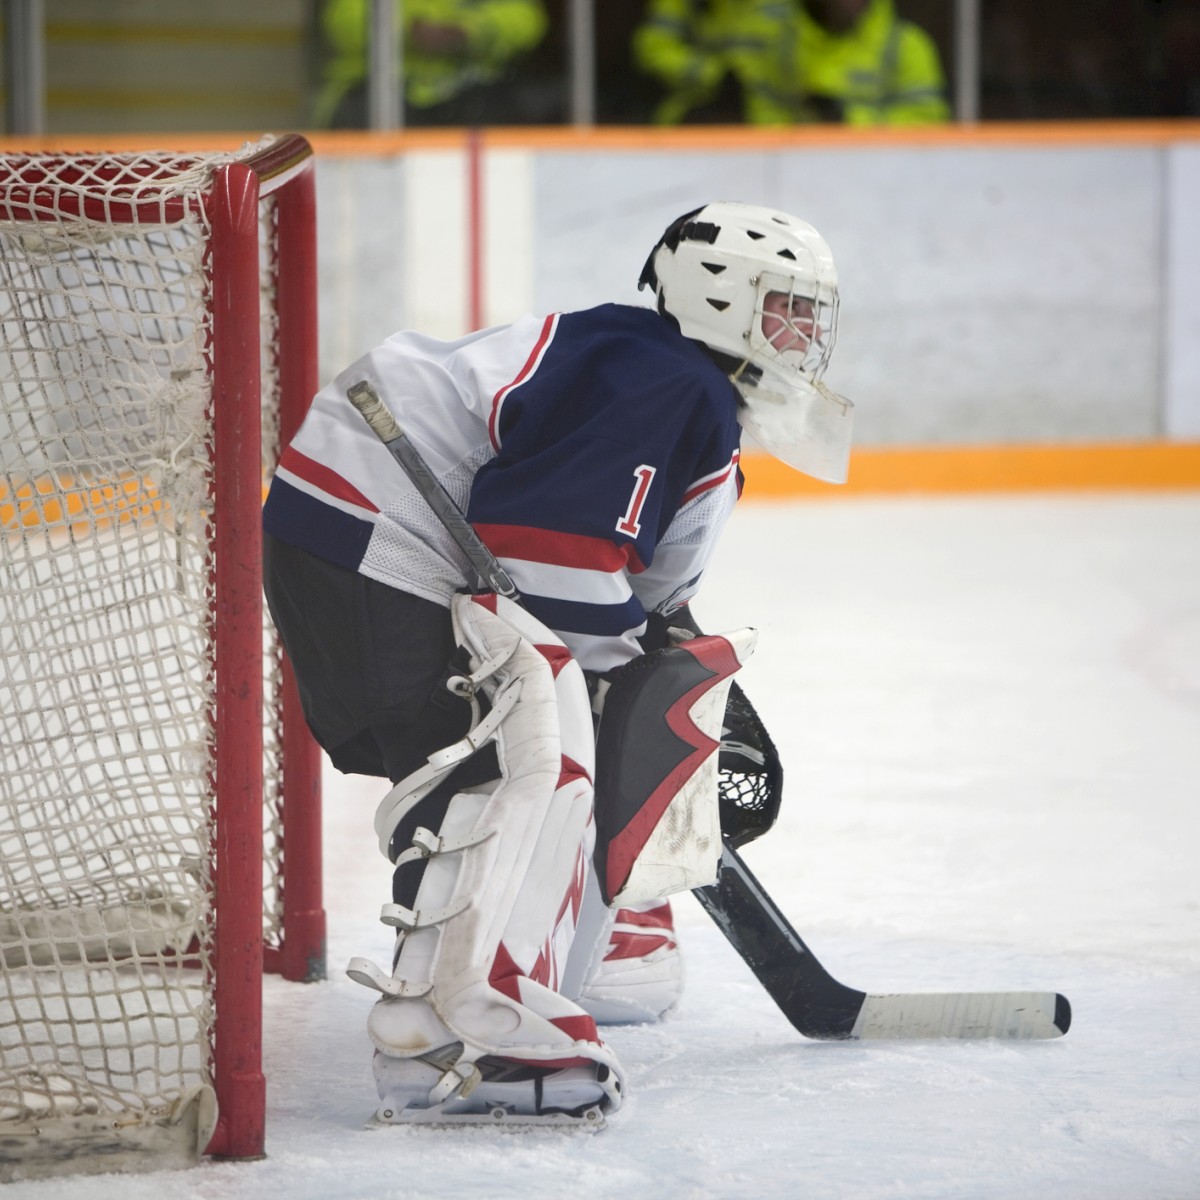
(160,339)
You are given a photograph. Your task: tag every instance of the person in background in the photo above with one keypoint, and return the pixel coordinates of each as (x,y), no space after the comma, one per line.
(782,62)
(719,61)
(857,62)
(458,59)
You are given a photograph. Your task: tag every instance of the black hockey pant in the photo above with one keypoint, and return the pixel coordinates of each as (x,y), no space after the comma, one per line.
(370,662)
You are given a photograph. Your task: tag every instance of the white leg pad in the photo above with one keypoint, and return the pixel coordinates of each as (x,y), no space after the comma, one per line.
(482,951)
(626,966)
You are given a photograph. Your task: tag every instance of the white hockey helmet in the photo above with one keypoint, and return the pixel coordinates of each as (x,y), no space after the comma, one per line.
(716,272)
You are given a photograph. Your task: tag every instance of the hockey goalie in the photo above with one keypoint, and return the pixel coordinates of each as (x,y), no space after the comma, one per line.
(553,761)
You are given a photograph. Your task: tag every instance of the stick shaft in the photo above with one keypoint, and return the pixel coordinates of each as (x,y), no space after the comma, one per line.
(491,575)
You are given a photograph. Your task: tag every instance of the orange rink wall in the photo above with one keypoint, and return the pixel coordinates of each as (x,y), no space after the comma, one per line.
(874,470)
(880,471)
(912,470)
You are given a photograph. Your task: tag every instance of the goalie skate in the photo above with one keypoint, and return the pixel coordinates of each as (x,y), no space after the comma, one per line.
(440,1088)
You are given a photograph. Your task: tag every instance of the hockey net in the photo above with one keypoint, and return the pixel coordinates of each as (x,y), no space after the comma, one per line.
(159,802)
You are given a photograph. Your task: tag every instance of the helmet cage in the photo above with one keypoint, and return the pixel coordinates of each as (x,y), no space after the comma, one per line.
(812,324)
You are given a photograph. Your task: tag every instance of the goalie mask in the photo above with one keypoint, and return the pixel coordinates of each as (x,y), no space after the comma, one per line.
(759,288)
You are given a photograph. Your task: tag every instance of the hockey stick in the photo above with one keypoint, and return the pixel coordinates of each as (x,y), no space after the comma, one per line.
(816,1004)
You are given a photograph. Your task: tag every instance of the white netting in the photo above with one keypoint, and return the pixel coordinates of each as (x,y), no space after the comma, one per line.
(106,660)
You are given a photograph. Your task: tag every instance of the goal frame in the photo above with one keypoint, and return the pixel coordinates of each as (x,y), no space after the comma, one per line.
(284,170)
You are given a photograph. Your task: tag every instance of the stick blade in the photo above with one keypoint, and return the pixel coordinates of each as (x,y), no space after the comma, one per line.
(820,1007)
(1018,1016)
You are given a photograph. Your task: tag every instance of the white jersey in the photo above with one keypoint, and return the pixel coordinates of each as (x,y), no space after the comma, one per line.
(595,453)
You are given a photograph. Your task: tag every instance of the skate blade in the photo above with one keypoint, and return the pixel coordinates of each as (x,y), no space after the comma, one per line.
(497,1117)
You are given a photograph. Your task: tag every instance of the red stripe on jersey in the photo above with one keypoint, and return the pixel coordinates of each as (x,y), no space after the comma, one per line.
(323,477)
(711,481)
(559,549)
(535,356)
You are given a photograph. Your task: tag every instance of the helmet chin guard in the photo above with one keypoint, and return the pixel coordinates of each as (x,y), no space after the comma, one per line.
(716,272)
(808,426)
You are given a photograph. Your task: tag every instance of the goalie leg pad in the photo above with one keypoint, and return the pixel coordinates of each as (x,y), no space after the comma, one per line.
(626,966)
(658,828)
(473,995)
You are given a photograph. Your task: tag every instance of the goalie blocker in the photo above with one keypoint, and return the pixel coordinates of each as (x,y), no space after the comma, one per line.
(658,821)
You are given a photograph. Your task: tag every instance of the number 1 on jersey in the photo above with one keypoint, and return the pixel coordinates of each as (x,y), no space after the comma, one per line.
(630,524)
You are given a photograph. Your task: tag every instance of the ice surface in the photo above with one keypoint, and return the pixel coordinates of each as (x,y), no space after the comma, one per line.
(989,713)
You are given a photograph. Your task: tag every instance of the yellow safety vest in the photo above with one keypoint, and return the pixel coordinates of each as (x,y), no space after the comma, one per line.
(790,68)
(691,45)
(497,31)
(882,71)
